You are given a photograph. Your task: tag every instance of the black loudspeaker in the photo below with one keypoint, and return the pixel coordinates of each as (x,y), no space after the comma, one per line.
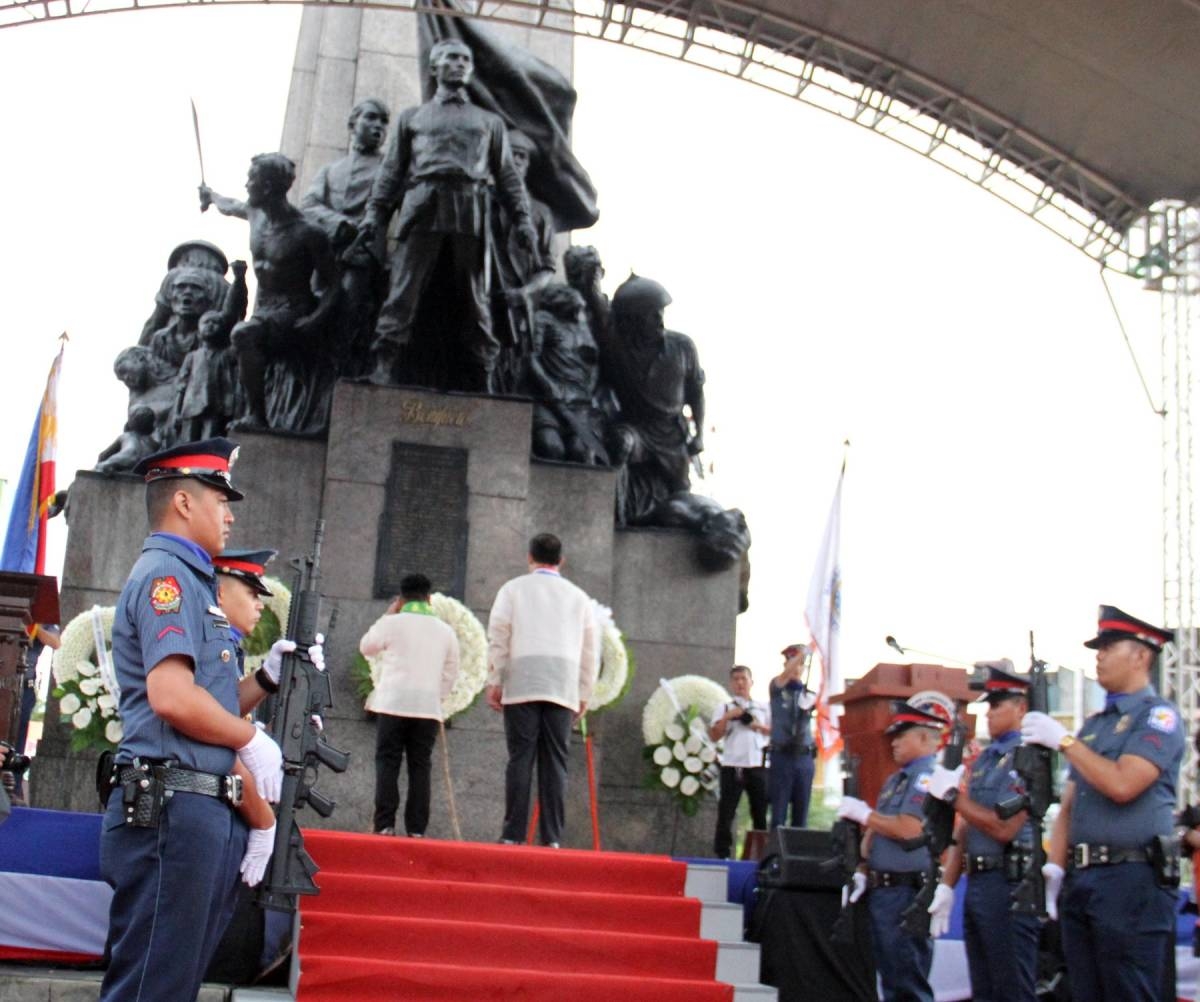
(800,859)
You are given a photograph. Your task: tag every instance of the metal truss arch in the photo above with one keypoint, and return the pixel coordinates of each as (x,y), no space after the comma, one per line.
(823,71)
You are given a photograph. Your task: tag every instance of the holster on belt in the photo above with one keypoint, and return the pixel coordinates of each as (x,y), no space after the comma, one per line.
(142,795)
(106,776)
(1163,855)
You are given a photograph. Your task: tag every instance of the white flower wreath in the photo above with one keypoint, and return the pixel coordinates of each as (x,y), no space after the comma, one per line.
(472,652)
(680,755)
(84,698)
(690,690)
(614,660)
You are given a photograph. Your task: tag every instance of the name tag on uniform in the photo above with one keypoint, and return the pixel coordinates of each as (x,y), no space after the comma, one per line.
(218,617)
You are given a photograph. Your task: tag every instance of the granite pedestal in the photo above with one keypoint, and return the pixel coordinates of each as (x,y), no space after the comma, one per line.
(678,619)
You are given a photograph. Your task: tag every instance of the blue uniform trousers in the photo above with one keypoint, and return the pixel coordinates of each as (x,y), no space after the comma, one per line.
(1117,926)
(790,782)
(173,896)
(1002,947)
(903,961)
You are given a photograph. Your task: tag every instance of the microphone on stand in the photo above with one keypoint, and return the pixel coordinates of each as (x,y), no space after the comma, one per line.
(894,644)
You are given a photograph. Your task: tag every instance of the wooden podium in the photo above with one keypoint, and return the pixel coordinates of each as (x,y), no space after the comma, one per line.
(25,599)
(868,710)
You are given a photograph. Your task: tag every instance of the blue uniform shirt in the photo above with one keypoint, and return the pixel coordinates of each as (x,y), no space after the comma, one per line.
(168,607)
(1137,723)
(902,793)
(790,728)
(994,779)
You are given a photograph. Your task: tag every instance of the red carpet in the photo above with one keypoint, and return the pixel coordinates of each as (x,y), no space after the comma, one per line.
(425,921)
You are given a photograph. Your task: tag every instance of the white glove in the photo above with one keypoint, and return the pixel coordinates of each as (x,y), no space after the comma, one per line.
(259,847)
(944,780)
(261,755)
(1053,874)
(853,809)
(1042,729)
(808,700)
(274,661)
(940,909)
(859,880)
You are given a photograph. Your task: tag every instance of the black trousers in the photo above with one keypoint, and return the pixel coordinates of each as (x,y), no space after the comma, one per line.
(396,737)
(735,779)
(536,732)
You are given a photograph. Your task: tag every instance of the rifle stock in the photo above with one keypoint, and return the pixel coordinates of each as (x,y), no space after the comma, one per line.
(937,834)
(304,693)
(847,842)
(1035,765)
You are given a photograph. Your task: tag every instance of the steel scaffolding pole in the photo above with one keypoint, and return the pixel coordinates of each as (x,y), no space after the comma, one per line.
(1171,266)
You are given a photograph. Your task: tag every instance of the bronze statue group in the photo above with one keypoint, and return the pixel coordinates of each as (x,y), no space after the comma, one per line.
(421,259)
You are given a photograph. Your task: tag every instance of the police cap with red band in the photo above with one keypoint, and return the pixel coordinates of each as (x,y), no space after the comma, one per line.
(905,715)
(246,565)
(1002,681)
(208,461)
(1116,625)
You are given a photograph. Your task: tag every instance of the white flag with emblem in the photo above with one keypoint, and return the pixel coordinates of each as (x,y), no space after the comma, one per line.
(823,615)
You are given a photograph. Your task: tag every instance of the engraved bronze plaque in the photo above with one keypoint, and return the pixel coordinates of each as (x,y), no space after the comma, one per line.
(423,528)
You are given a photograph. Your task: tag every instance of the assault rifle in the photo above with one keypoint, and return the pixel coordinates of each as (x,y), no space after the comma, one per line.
(304,693)
(937,834)
(1035,765)
(847,842)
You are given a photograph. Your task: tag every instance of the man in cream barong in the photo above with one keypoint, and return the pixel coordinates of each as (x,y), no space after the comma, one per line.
(416,663)
(543,657)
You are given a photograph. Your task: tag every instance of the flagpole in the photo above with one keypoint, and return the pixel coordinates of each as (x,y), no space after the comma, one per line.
(822,613)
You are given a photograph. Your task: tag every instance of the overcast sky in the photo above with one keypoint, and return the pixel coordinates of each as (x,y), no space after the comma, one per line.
(1004,473)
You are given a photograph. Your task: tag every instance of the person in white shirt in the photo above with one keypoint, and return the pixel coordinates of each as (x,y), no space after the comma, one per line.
(543,660)
(417,663)
(745,726)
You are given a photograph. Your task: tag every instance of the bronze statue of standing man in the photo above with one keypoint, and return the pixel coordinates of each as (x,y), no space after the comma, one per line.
(337,201)
(441,158)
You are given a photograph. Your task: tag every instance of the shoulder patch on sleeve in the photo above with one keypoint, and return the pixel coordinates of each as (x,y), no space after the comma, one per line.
(1163,718)
(166,595)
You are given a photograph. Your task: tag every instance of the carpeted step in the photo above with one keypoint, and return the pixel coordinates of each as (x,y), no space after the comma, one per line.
(475,862)
(330,979)
(474,944)
(364,894)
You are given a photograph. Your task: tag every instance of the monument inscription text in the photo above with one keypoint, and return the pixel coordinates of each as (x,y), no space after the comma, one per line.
(423,528)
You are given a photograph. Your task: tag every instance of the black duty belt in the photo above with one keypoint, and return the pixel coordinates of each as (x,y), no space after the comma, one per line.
(1086,854)
(173,778)
(892,878)
(1014,863)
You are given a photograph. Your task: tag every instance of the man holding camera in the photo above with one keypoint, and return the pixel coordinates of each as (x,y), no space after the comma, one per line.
(744,724)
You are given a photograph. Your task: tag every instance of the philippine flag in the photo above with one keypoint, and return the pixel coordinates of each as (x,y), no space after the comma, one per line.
(25,541)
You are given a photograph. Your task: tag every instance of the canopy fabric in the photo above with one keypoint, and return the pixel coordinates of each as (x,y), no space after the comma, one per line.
(1109,85)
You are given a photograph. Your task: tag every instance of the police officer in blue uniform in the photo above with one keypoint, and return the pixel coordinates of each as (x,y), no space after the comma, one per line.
(1113,839)
(790,775)
(894,873)
(1002,946)
(172,842)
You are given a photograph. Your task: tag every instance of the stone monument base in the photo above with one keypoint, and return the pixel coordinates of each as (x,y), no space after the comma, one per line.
(460,507)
